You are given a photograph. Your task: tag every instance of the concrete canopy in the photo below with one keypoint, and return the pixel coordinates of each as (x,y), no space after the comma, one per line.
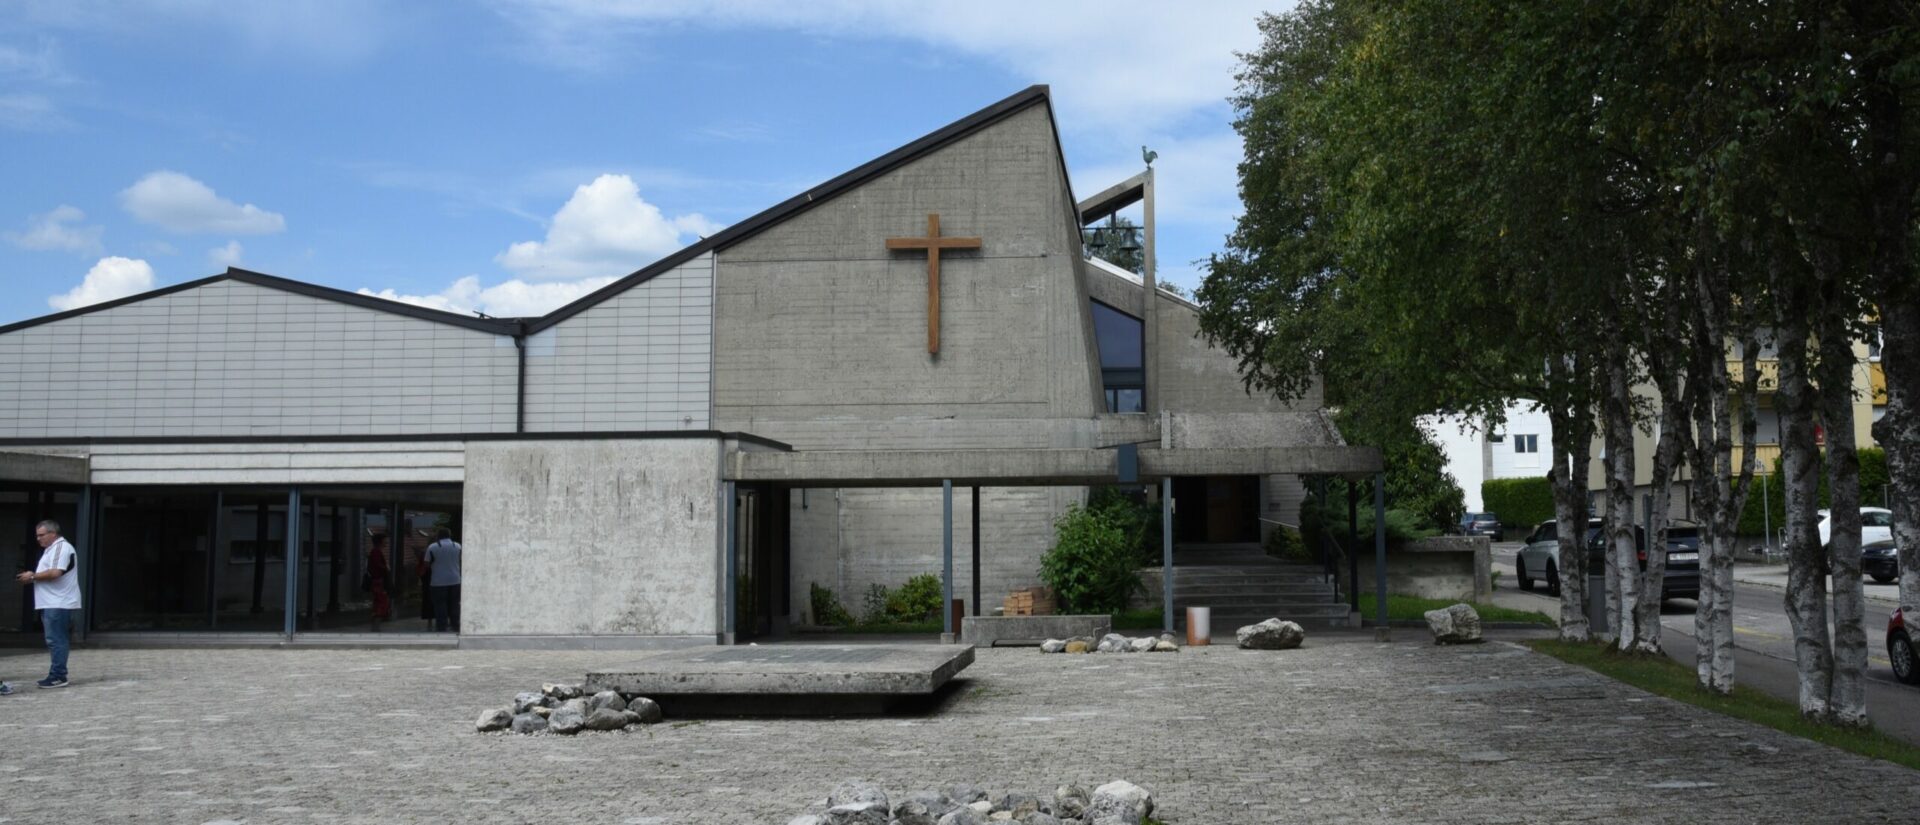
(41,468)
(1035,468)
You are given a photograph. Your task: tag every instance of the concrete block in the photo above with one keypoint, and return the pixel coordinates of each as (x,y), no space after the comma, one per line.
(987,631)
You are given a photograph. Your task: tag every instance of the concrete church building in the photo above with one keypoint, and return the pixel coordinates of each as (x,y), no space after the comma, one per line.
(673,459)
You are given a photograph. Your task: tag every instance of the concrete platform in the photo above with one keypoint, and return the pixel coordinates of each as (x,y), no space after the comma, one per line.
(789,680)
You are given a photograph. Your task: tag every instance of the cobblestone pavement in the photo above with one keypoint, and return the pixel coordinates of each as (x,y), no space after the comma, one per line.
(1343,730)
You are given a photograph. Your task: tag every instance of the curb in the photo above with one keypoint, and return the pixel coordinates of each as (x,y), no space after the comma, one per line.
(1893,602)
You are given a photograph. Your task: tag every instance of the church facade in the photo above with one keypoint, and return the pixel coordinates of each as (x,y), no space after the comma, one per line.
(677,458)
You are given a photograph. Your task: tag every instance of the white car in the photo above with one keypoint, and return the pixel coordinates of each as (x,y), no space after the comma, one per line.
(1876,524)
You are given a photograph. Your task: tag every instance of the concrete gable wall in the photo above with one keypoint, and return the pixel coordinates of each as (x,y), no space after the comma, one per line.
(818,322)
(232,358)
(641,360)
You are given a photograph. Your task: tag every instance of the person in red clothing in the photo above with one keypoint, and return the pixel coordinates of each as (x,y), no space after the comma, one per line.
(377,580)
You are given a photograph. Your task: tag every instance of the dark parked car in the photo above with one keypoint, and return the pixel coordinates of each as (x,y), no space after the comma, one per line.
(1541,558)
(1900,649)
(1881,560)
(1682,579)
(1482,524)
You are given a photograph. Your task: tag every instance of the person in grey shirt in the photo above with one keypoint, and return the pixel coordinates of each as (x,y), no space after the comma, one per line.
(443,587)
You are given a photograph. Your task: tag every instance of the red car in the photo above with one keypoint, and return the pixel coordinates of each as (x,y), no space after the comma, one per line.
(1900,649)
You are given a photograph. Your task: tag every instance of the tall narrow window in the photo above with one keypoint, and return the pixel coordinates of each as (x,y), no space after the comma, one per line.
(1120,339)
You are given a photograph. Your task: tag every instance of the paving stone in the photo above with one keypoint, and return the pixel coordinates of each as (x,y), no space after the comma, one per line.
(1344,730)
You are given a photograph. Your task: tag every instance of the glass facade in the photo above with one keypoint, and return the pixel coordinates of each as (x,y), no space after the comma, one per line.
(217,559)
(21,507)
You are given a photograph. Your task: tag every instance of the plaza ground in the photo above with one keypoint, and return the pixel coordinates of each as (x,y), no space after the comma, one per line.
(1343,730)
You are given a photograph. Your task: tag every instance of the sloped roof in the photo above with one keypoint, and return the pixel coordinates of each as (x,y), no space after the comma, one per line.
(496,326)
(1035,95)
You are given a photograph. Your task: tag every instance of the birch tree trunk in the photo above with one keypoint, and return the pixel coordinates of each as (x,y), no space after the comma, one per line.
(1899,430)
(1848,700)
(1667,454)
(1573,450)
(1716,573)
(1806,599)
(1623,574)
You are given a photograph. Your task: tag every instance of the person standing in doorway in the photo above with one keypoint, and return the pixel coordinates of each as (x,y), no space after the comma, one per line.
(56,594)
(377,572)
(443,556)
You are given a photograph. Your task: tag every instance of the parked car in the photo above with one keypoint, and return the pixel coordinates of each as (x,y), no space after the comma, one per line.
(1881,560)
(1682,579)
(1482,524)
(1876,524)
(1541,558)
(1900,649)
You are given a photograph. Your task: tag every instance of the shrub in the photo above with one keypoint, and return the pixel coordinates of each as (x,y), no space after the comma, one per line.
(826,607)
(1138,520)
(1091,567)
(873,606)
(1286,543)
(1753,522)
(1519,502)
(916,600)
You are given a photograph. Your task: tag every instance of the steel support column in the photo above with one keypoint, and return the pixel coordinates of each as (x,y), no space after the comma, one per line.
(1166,553)
(946,559)
(290,611)
(976,550)
(1380,629)
(728,587)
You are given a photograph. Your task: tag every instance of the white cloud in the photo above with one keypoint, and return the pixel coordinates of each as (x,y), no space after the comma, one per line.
(178,203)
(111,278)
(511,299)
(59,230)
(31,113)
(225,256)
(1196,179)
(605,229)
(1115,62)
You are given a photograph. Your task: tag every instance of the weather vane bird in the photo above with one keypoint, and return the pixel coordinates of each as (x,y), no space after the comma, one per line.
(1148,156)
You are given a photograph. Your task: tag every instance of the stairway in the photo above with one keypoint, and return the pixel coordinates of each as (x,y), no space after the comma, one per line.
(1243,585)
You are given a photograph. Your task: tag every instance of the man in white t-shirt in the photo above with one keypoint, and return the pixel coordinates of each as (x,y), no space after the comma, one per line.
(443,588)
(56,593)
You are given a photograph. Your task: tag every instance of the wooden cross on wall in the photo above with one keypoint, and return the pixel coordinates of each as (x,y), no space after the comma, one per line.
(933,243)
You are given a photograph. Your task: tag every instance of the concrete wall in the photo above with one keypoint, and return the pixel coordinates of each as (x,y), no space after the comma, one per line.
(1446,567)
(641,360)
(592,538)
(292,462)
(820,341)
(818,325)
(232,358)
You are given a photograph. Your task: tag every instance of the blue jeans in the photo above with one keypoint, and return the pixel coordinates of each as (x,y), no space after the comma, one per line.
(58,622)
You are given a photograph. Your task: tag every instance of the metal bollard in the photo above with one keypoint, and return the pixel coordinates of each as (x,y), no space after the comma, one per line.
(1597,605)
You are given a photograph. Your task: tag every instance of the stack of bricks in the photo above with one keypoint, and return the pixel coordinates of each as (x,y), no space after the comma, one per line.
(1031,601)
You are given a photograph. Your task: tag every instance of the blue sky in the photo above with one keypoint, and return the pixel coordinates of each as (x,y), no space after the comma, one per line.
(509,155)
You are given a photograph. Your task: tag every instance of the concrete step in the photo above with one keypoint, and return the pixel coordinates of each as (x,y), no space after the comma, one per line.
(1181,577)
(1239,589)
(1250,601)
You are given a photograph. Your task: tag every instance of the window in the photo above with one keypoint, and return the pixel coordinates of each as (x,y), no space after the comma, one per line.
(1871,519)
(1526,444)
(1119,337)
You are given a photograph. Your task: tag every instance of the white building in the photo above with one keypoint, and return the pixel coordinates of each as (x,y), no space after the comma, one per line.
(1522,447)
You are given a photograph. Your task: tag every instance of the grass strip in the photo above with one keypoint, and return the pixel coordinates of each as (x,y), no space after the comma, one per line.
(1413,608)
(1666,677)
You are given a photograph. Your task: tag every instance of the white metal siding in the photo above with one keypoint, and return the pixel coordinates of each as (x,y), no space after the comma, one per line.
(641,360)
(232,358)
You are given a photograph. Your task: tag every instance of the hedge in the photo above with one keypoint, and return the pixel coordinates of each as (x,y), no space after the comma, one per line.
(1873,482)
(1519,502)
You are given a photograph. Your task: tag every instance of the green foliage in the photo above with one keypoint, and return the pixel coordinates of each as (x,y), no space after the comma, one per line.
(827,609)
(1422,499)
(873,607)
(917,600)
(1092,565)
(1142,619)
(1286,544)
(1661,675)
(1128,508)
(1519,502)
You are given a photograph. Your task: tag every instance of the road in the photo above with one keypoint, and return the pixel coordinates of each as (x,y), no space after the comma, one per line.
(1764,635)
